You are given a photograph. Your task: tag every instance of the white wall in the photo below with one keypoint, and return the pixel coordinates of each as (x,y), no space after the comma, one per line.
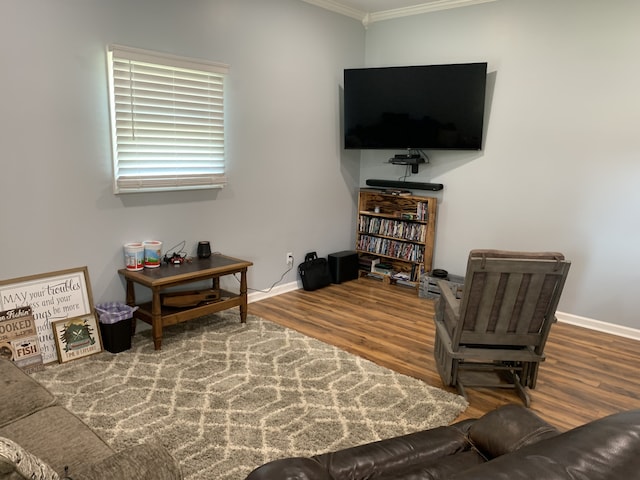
(290,188)
(558,171)
(560,167)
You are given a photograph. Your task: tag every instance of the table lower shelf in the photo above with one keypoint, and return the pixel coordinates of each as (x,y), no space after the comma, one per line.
(175,315)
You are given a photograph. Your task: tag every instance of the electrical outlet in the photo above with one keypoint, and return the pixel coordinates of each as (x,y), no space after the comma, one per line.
(290,259)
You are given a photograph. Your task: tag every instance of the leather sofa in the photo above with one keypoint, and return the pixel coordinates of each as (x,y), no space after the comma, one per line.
(510,443)
(39,438)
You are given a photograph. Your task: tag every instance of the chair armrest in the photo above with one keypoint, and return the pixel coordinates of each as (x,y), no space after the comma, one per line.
(446,292)
(142,462)
(452,304)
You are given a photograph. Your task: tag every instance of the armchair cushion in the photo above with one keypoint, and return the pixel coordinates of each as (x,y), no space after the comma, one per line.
(21,396)
(295,468)
(58,437)
(143,462)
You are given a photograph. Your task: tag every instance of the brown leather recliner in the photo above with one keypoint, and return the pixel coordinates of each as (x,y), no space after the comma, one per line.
(509,443)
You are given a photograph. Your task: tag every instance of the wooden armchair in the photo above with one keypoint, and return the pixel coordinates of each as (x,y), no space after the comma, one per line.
(500,324)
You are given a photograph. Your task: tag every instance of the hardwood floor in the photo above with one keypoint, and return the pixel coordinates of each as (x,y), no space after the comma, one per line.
(587,374)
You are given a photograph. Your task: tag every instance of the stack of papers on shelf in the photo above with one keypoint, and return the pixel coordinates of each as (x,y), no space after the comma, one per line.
(402,276)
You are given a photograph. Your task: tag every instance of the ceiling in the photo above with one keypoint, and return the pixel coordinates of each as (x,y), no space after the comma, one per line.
(369,11)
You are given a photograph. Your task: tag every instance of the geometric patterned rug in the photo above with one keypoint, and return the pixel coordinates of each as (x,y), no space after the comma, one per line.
(226,397)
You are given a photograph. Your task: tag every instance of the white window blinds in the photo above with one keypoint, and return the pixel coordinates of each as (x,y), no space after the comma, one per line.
(167,121)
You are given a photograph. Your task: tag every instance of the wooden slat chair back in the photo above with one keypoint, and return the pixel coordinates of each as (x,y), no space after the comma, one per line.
(502,321)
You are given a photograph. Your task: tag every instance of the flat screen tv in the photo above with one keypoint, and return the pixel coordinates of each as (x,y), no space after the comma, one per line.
(415,107)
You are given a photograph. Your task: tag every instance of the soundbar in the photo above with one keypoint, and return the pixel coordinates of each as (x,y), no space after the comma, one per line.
(434,187)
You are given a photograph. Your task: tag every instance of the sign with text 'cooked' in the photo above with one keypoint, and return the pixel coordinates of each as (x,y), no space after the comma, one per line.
(18,339)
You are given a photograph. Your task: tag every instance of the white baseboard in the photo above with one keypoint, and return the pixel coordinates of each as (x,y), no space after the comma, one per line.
(280,289)
(584,322)
(598,325)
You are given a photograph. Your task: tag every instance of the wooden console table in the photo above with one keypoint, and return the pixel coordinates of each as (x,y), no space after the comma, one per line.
(166,276)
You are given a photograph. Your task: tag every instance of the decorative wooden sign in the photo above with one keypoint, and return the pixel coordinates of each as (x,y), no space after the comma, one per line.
(77,337)
(19,339)
(52,296)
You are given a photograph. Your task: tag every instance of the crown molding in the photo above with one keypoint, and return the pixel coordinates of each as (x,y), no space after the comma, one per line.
(369,17)
(422,8)
(339,8)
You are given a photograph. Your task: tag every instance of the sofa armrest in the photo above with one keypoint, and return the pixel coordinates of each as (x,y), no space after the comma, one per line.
(385,457)
(142,462)
(388,458)
(507,429)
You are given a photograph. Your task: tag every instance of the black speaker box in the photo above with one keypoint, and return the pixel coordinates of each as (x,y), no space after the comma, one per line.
(343,266)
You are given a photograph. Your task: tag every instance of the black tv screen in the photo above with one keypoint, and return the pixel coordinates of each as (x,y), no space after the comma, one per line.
(415,107)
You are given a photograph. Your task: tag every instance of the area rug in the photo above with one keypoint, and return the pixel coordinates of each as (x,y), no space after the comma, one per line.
(226,397)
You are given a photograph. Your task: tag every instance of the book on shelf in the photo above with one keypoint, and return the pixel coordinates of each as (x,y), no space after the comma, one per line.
(392,228)
(402,250)
(373,264)
(422,211)
(383,268)
(367,261)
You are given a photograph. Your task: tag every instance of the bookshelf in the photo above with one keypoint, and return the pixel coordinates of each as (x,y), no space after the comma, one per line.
(395,235)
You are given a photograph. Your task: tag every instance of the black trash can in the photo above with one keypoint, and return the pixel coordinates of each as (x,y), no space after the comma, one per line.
(116,325)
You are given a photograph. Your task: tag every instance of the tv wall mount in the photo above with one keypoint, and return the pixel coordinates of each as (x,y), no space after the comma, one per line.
(414,158)
(411,158)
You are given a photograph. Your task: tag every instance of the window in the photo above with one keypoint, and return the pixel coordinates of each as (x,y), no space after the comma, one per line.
(167,121)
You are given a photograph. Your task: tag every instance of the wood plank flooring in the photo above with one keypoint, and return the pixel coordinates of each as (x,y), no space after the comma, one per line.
(587,374)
